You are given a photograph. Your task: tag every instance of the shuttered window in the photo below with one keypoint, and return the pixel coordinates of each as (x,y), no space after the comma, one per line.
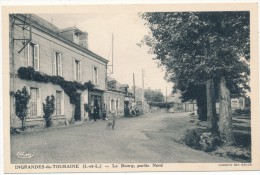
(33,59)
(35,107)
(95,75)
(77,70)
(57,64)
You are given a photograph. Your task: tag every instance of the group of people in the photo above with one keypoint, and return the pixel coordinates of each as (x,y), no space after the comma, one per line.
(132,111)
(95,112)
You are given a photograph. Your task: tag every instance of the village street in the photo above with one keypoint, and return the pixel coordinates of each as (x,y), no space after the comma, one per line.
(147,138)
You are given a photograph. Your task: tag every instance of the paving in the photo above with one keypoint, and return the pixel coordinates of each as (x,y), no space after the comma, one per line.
(153,137)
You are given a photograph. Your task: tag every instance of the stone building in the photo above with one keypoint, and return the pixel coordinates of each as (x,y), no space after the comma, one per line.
(52,53)
(117,98)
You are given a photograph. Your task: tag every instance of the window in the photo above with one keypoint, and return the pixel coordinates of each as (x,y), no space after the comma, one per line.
(59,106)
(95,75)
(35,102)
(112,104)
(77,70)
(57,64)
(33,56)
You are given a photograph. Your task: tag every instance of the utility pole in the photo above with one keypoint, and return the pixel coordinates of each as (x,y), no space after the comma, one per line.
(134,87)
(166,100)
(142,90)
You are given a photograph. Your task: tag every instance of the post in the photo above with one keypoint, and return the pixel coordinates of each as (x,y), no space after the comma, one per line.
(142,90)
(166,100)
(134,86)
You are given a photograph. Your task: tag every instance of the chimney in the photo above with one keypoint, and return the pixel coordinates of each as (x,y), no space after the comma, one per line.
(83,39)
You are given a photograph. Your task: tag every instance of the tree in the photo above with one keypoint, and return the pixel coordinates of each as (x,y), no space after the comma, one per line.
(153,96)
(21,104)
(192,45)
(48,109)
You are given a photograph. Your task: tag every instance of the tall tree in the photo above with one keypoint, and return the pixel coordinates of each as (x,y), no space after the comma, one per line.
(153,96)
(191,46)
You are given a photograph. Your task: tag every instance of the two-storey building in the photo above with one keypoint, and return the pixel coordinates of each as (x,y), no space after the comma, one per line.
(53,52)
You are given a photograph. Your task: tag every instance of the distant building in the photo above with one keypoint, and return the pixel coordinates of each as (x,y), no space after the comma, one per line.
(117,97)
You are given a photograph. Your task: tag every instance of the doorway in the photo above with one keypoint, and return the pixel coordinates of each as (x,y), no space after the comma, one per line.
(77,115)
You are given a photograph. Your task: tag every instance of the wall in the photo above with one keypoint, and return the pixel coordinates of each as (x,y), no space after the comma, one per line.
(48,45)
(108,95)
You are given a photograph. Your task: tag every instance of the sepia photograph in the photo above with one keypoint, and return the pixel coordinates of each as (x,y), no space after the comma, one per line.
(131,88)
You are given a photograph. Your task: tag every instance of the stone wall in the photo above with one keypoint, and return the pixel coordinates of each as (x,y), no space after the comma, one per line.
(108,96)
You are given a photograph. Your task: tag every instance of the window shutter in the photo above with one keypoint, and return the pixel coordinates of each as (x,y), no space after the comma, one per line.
(60,65)
(36,57)
(75,73)
(97,76)
(93,75)
(54,64)
(115,104)
(62,103)
(39,104)
(28,55)
(110,104)
(28,105)
(79,68)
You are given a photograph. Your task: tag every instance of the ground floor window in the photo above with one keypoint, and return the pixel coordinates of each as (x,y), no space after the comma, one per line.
(58,102)
(35,102)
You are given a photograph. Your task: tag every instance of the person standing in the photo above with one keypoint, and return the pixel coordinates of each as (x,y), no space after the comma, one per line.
(95,113)
(104,112)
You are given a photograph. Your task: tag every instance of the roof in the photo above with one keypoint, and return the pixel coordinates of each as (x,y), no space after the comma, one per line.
(53,30)
(70,29)
(118,86)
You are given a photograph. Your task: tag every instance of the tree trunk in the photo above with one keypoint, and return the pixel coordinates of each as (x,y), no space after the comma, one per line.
(202,112)
(225,117)
(23,124)
(202,107)
(211,107)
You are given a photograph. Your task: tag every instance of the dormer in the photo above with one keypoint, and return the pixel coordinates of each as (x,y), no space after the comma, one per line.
(75,35)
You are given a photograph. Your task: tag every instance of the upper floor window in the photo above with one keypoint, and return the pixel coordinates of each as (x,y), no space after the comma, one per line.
(33,59)
(57,64)
(95,75)
(77,70)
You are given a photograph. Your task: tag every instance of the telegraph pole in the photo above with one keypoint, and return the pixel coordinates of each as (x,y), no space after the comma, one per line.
(166,100)
(142,90)
(134,86)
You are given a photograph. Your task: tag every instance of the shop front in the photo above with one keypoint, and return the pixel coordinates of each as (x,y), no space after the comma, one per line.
(96,102)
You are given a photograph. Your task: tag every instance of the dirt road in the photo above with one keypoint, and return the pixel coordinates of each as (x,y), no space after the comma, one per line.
(147,139)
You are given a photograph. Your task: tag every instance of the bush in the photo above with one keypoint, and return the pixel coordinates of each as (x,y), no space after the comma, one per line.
(22,98)
(192,138)
(48,109)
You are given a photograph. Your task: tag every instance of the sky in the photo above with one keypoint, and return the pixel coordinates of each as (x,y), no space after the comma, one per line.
(128,29)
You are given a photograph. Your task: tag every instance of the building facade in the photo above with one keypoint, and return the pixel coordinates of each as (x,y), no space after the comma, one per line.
(53,52)
(117,98)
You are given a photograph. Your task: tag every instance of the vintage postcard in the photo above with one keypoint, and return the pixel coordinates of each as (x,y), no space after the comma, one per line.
(131,88)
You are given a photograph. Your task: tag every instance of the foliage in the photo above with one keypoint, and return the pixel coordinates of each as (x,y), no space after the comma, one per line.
(69,87)
(153,96)
(192,138)
(111,84)
(202,48)
(196,46)
(48,109)
(22,98)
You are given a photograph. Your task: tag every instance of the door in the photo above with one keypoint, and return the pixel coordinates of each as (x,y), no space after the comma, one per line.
(77,115)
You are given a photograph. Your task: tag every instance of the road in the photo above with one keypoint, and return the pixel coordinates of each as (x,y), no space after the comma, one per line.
(147,139)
